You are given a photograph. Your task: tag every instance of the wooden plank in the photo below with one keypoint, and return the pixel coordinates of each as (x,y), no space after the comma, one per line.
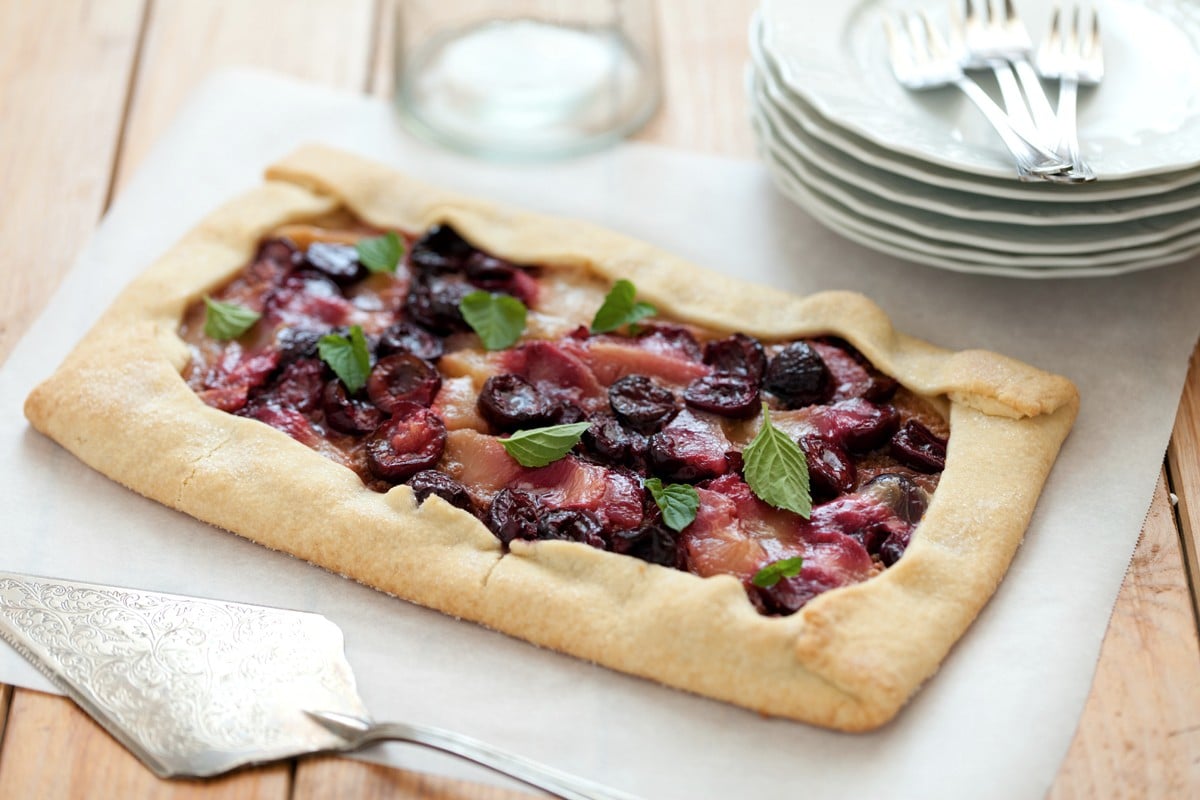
(6,693)
(704,50)
(319,778)
(64,74)
(324,41)
(52,751)
(1140,732)
(1183,457)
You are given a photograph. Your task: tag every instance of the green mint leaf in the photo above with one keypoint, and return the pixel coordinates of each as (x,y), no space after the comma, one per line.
(776,571)
(227,320)
(776,470)
(499,319)
(381,253)
(347,357)
(620,309)
(677,501)
(542,446)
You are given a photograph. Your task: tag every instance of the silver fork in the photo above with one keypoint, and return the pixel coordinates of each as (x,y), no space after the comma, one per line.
(1074,57)
(921,59)
(995,42)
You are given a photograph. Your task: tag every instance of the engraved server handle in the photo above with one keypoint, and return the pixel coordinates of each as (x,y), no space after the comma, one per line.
(561,784)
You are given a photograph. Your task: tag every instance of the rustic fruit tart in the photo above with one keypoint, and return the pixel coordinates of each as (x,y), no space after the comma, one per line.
(570,436)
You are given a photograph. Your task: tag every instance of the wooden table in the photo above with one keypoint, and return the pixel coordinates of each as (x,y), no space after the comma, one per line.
(86,87)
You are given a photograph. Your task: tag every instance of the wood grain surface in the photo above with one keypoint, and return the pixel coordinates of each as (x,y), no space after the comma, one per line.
(85,90)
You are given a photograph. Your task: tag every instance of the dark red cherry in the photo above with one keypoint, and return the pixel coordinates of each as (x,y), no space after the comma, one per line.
(349,414)
(610,442)
(641,403)
(432,481)
(338,261)
(572,525)
(275,259)
(440,250)
(509,403)
(798,376)
(294,343)
(433,301)
(894,547)
(411,441)
(900,493)
(728,395)
(831,472)
(297,386)
(513,514)
(653,542)
(403,378)
(738,354)
(405,337)
(916,446)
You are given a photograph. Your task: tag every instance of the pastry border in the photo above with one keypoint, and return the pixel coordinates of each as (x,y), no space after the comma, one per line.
(849,660)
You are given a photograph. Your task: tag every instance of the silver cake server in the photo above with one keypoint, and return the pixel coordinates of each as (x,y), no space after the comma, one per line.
(197,687)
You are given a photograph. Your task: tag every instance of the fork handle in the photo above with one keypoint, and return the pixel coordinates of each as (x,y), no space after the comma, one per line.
(1068,141)
(1044,118)
(1010,92)
(1032,160)
(527,771)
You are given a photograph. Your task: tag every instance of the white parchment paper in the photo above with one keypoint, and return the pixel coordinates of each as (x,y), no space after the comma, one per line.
(995,722)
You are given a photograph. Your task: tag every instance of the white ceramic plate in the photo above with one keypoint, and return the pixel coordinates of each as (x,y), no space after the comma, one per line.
(1144,119)
(1003,238)
(765,94)
(951,202)
(900,242)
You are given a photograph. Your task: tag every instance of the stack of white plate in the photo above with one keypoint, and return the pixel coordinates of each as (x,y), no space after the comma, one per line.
(922,176)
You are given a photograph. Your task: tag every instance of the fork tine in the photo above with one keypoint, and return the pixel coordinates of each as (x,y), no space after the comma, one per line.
(917,43)
(938,47)
(1073,40)
(898,50)
(1010,13)
(1091,46)
(1054,42)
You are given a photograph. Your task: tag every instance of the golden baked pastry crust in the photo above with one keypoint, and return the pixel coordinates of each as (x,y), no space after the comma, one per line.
(848,660)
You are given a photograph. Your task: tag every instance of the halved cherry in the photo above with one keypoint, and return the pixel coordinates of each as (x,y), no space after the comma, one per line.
(411,441)
(431,481)
(405,337)
(830,470)
(514,515)
(403,378)
(509,403)
(641,403)
(738,354)
(346,413)
(916,446)
(724,394)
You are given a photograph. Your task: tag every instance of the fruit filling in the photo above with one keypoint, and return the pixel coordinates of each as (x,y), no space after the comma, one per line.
(552,405)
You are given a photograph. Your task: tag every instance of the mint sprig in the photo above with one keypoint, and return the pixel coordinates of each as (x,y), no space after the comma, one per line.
(499,319)
(678,502)
(541,446)
(348,357)
(223,321)
(620,308)
(776,571)
(381,253)
(776,469)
